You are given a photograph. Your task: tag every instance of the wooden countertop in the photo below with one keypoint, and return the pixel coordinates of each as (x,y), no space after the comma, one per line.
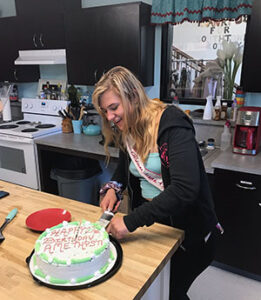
(145,252)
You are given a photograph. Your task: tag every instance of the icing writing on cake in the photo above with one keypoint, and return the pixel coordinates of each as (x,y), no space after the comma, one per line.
(65,238)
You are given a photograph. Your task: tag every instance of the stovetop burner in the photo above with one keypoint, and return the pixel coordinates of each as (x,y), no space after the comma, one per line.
(23,122)
(10,126)
(29,130)
(45,126)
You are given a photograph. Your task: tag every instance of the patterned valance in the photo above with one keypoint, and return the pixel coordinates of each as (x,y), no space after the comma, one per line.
(178,11)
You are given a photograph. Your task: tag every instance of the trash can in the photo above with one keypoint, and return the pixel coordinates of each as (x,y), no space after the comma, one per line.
(77,178)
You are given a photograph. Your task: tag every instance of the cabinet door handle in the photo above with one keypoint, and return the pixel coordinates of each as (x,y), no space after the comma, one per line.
(34,40)
(246,187)
(15,74)
(41,40)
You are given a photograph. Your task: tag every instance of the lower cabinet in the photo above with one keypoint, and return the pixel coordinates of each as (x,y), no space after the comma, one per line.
(237,198)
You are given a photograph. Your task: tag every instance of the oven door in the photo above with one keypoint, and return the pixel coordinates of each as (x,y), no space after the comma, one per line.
(18,161)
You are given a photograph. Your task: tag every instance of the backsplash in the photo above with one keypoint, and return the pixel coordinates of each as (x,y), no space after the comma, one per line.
(209,129)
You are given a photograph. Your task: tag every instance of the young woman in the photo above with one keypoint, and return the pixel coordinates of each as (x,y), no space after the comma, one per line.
(162,168)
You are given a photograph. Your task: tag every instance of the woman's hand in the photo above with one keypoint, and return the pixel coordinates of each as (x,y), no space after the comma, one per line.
(117,228)
(109,200)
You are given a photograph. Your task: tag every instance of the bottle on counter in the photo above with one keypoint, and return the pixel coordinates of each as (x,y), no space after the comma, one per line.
(63,95)
(208,109)
(14,93)
(53,93)
(59,91)
(226,137)
(233,113)
(175,100)
(223,112)
(47,91)
(217,109)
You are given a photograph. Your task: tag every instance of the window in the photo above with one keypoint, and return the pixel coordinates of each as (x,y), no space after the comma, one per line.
(191,50)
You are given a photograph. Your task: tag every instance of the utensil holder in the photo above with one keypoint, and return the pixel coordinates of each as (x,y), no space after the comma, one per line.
(77,126)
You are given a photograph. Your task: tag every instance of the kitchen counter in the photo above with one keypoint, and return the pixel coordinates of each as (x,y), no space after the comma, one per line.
(145,252)
(77,142)
(90,147)
(236,162)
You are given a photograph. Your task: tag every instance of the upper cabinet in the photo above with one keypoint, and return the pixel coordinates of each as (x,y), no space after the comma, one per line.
(251,61)
(44,8)
(8,53)
(34,33)
(100,38)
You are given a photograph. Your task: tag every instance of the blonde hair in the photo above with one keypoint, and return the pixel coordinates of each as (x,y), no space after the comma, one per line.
(140,112)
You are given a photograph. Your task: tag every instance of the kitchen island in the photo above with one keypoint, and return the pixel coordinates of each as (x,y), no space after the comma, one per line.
(146,253)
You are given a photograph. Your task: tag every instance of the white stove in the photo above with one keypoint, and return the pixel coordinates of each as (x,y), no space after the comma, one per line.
(41,117)
(18,155)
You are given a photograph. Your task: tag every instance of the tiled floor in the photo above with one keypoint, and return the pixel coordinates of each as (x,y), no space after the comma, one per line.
(217,284)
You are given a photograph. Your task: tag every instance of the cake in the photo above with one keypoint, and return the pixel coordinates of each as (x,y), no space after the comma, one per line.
(72,253)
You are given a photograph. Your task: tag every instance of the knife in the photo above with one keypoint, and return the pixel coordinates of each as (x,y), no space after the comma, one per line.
(106,218)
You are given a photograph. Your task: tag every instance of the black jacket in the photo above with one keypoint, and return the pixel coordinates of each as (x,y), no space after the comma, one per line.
(186,201)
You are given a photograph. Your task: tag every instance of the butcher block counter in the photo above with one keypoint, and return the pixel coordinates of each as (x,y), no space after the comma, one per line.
(146,252)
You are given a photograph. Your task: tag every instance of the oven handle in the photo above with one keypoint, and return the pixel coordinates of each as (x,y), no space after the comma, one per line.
(15,139)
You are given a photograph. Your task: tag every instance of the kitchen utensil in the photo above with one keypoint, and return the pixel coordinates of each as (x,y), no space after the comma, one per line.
(81,113)
(61,114)
(46,218)
(3,194)
(105,218)
(8,219)
(68,115)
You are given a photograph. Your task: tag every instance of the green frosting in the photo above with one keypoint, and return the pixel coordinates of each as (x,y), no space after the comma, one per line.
(58,281)
(111,256)
(101,249)
(104,268)
(57,226)
(82,279)
(80,260)
(39,273)
(105,234)
(75,223)
(59,261)
(97,226)
(44,256)
(42,235)
(37,246)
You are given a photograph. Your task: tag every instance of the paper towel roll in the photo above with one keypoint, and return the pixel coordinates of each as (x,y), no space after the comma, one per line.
(7,109)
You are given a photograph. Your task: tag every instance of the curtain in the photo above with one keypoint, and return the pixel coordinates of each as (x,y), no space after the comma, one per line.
(178,11)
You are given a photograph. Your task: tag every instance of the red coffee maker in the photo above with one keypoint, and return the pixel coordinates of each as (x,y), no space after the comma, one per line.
(247,137)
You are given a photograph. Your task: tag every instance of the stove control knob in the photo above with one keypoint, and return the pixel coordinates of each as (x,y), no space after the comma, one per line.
(55,108)
(31,106)
(26,105)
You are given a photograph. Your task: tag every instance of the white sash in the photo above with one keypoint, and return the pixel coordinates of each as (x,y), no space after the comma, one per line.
(153,178)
